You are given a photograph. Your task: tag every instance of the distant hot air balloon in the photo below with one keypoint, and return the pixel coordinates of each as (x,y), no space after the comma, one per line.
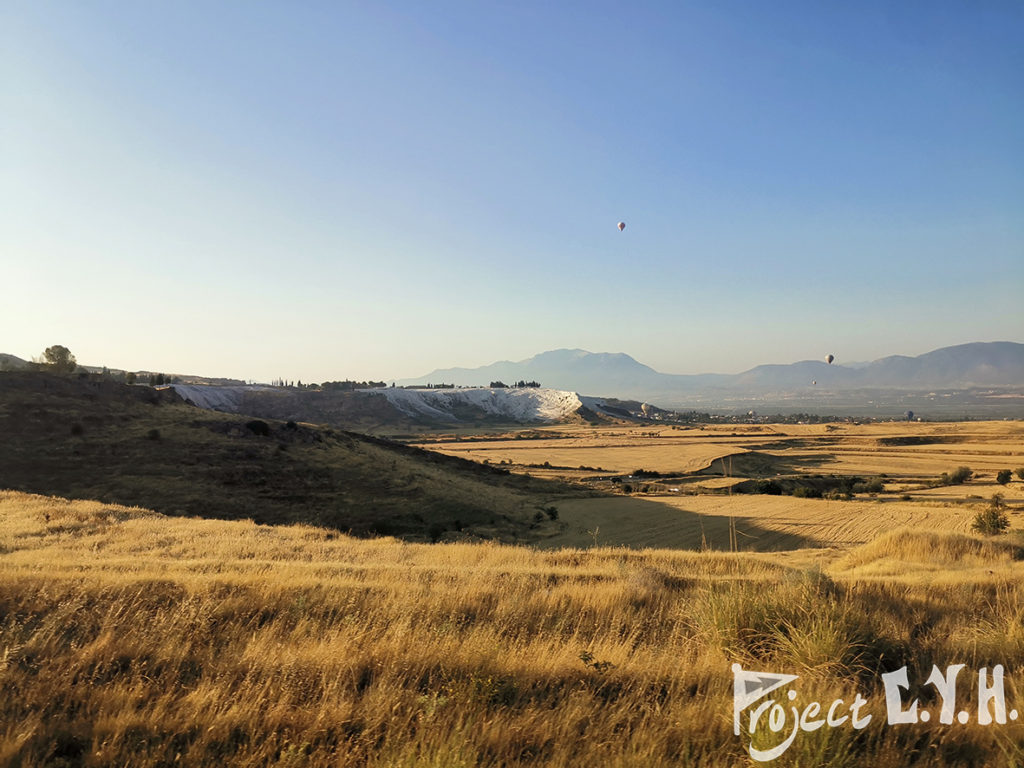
(814,383)
(622,225)
(829,359)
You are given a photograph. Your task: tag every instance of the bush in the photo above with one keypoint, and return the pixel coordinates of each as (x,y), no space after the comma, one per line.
(993,520)
(769,487)
(258,427)
(806,492)
(1020,473)
(874,485)
(552,512)
(153,434)
(957,476)
(1003,477)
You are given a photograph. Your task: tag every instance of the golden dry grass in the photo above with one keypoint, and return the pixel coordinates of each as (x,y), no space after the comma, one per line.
(869,449)
(764,523)
(129,638)
(910,456)
(622,449)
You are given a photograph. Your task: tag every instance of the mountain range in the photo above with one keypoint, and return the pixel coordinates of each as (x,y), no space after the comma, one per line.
(979,379)
(998,365)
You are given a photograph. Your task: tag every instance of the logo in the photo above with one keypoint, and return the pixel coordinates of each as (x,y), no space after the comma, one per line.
(765,713)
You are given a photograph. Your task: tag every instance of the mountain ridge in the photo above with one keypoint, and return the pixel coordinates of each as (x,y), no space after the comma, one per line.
(971,365)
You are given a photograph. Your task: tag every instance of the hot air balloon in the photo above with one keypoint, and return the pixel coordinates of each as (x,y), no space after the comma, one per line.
(829,359)
(622,225)
(814,383)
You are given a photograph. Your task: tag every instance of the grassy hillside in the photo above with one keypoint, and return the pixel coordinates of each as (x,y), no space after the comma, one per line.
(95,439)
(129,638)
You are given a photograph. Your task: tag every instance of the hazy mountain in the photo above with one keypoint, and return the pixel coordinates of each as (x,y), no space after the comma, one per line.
(11,363)
(573,369)
(993,364)
(980,364)
(601,373)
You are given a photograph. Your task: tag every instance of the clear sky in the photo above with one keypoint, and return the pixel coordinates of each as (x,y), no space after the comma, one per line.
(328,190)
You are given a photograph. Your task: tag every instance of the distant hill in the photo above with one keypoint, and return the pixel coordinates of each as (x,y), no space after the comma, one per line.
(396,408)
(975,365)
(12,363)
(89,438)
(602,373)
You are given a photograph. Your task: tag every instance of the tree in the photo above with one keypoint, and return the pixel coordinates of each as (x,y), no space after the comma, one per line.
(958,476)
(994,519)
(60,359)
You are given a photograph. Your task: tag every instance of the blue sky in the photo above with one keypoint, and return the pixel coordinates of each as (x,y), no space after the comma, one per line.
(332,190)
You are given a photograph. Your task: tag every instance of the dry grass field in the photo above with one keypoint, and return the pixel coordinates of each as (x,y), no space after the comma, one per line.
(694,502)
(899,449)
(130,638)
(763,523)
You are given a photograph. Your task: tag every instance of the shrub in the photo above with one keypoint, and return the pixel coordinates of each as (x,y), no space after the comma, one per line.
(993,520)
(258,427)
(806,492)
(552,512)
(153,434)
(957,476)
(838,494)
(435,531)
(1020,473)
(1003,477)
(874,485)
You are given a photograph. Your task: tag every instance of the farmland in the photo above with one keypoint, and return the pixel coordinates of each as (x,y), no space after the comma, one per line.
(666,486)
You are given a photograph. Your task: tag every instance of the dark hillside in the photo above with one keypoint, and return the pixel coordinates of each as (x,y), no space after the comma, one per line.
(90,438)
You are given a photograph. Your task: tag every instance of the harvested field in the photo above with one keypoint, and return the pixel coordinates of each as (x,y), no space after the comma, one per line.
(899,449)
(762,523)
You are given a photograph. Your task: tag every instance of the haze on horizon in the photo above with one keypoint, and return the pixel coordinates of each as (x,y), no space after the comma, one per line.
(345,190)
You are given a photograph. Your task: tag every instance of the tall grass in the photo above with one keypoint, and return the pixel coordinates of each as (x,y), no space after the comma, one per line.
(128,638)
